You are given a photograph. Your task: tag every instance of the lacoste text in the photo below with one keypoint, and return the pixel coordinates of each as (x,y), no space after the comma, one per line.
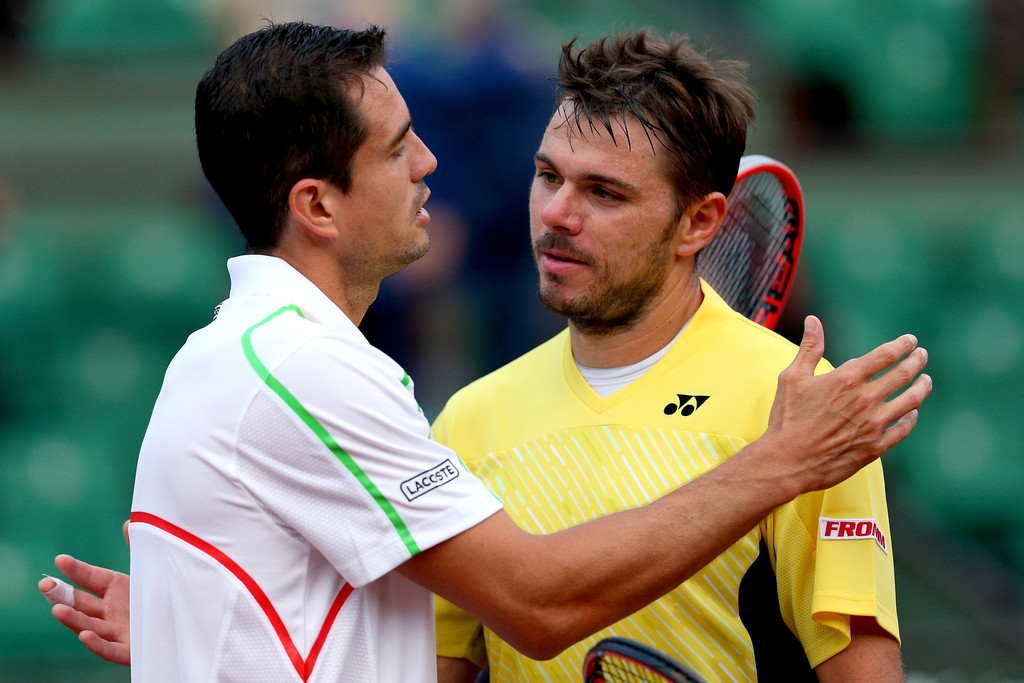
(429,480)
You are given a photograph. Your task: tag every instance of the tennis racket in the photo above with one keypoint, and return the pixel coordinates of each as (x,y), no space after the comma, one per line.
(620,660)
(752,259)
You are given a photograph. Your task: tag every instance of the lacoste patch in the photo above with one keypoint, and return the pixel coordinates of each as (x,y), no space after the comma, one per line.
(425,482)
(849,529)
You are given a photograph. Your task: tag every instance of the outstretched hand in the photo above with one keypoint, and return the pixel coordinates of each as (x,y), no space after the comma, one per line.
(840,421)
(98,614)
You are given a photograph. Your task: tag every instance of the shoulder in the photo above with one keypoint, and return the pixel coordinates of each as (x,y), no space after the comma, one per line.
(717,337)
(488,402)
(737,343)
(542,364)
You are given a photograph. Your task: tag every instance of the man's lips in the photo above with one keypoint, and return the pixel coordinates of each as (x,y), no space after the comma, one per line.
(421,212)
(561,256)
(555,261)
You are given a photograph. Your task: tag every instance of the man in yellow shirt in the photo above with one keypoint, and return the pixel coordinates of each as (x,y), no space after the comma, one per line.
(657,381)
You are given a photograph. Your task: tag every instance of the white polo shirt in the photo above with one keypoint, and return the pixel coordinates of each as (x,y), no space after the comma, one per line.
(287,469)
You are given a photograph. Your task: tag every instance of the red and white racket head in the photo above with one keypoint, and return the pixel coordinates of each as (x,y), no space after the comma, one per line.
(752,260)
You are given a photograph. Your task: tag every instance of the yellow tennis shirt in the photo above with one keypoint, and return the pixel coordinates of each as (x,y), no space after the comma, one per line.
(776,603)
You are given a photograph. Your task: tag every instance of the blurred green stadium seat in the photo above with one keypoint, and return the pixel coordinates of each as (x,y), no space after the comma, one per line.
(117,28)
(64,487)
(950,272)
(869,266)
(95,301)
(968,462)
(908,68)
(102,298)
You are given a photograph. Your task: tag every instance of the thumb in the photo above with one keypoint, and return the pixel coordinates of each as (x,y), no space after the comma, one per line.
(812,347)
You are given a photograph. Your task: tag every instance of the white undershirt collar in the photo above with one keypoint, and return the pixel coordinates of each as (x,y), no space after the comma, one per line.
(606,381)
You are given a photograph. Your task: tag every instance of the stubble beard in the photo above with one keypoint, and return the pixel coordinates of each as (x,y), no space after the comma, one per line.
(608,306)
(414,250)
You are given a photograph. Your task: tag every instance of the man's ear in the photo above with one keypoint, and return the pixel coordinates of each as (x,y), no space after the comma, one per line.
(700,223)
(313,206)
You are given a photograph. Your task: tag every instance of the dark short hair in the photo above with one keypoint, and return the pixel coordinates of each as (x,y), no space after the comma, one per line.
(698,109)
(276,108)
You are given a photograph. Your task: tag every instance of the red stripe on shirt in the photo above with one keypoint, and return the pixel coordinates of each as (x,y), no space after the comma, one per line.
(303,667)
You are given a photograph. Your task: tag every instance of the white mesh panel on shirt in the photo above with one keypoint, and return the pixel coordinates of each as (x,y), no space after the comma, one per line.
(249,650)
(345,656)
(302,484)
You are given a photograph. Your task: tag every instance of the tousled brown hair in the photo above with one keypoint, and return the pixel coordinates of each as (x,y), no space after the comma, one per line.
(696,108)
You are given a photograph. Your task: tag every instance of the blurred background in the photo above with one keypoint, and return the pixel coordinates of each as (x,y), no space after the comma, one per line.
(902,118)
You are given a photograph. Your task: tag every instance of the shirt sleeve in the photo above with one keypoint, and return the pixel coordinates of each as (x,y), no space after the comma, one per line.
(833,560)
(348,465)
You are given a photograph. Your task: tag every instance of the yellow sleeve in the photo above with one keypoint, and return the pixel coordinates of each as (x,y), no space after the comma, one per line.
(459,634)
(855,567)
(833,560)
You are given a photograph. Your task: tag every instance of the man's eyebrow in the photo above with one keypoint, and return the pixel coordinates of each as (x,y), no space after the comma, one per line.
(401,134)
(598,178)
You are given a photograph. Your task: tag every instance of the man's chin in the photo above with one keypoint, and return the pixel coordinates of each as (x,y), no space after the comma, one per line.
(412,253)
(587,318)
(561,304)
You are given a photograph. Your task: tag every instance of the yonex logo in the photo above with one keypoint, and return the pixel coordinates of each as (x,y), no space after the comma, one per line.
(425,482)
(848,529)
(687,405)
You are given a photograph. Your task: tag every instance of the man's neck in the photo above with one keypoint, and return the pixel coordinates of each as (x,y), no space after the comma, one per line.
(353,298)
(651,333)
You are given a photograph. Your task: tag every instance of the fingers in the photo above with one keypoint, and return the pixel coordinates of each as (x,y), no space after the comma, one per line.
(101,620)
(89,604)
(118,653)
(92,578)
(57,591)
(89,577)
(79,622)
(812,348)
(899,431)
(75,619)
(911,399)
(901,374)
(882,357)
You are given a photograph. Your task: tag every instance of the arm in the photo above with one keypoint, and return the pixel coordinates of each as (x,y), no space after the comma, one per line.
(541,594)
(873,655)
(100,620)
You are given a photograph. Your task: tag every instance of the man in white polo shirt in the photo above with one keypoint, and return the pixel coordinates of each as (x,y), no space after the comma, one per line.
(291,514)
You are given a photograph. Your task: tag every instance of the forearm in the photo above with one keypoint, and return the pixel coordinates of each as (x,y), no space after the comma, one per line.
(544,593)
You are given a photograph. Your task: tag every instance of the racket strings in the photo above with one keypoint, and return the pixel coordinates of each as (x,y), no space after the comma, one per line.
(741,262)
(763,206)
(614,669)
